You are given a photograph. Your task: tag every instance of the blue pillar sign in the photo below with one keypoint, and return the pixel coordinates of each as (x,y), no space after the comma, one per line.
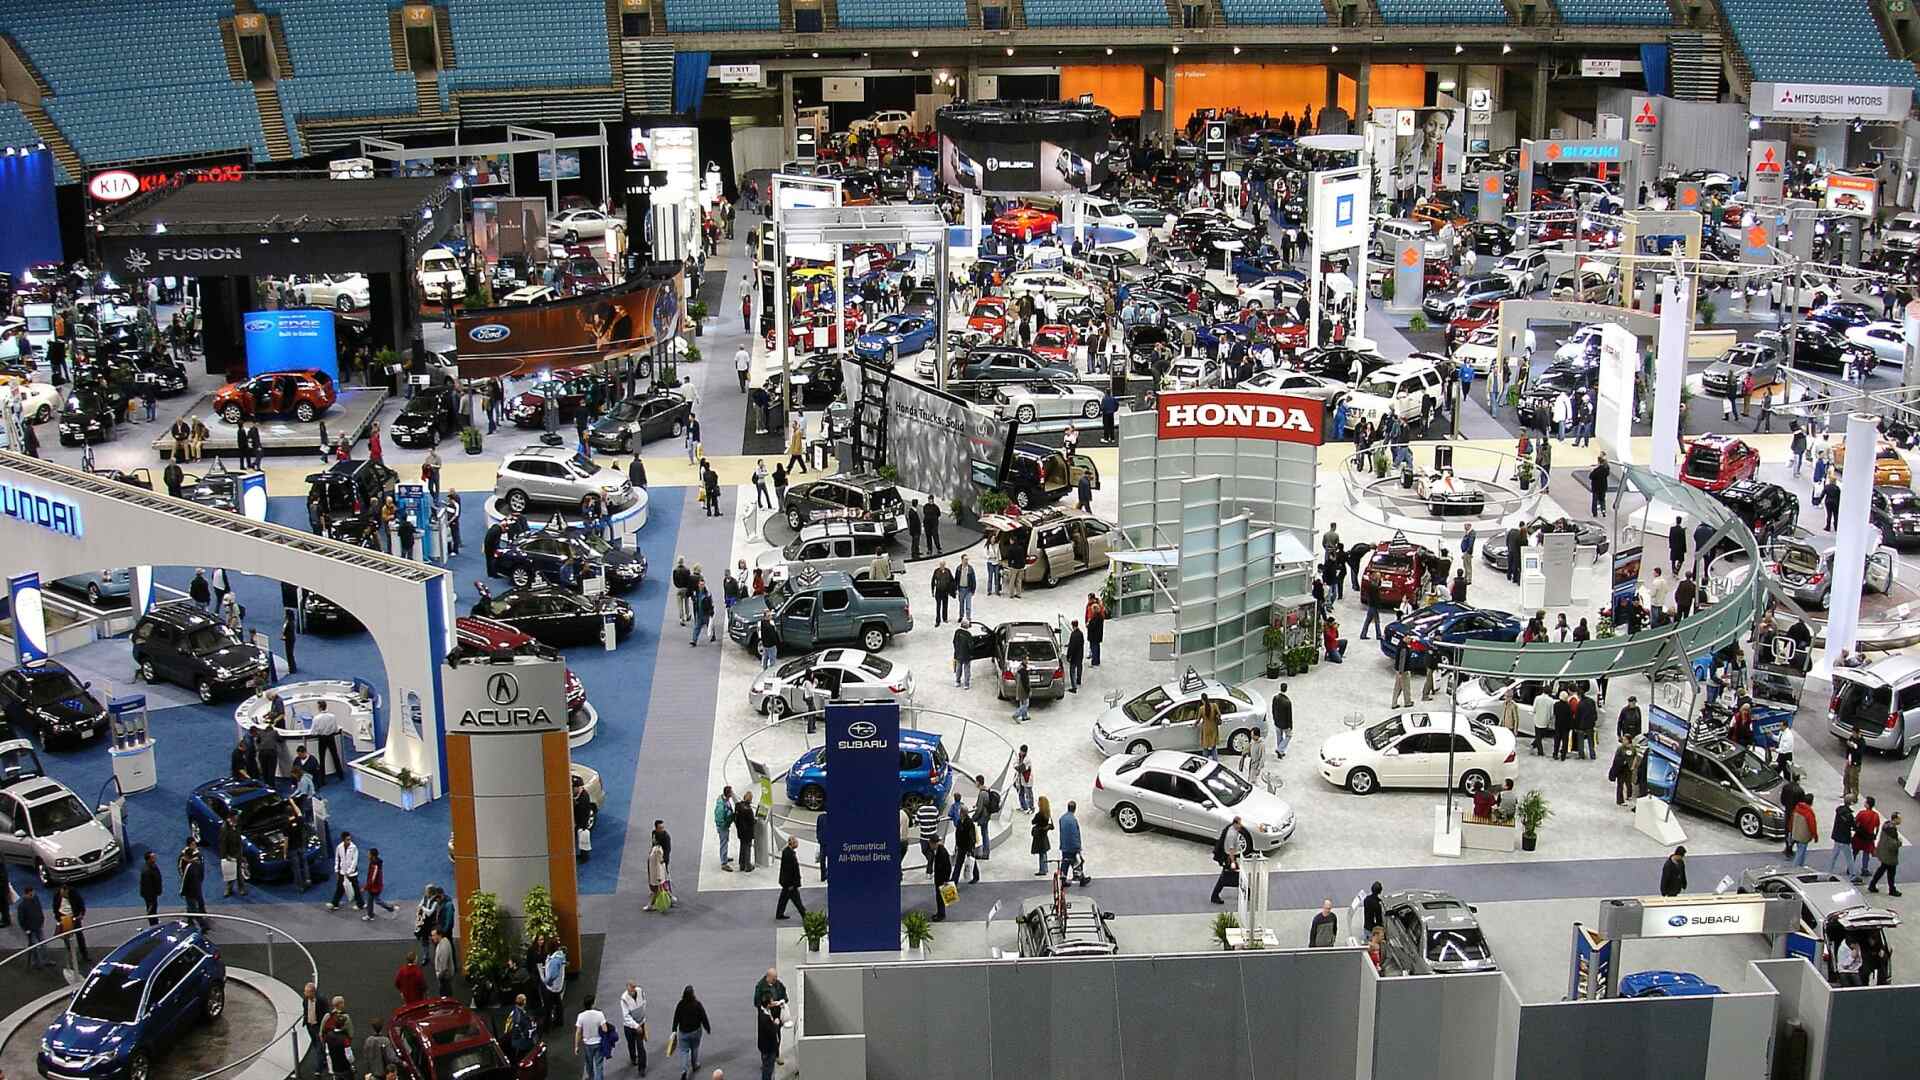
(29,617)
(861,827)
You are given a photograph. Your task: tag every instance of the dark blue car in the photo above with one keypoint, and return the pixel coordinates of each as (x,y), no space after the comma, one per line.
(925,773)
(134,1004)
(262,813)
(1431,630)
(46,699)
(897,335)
(1666,984)
(547,556)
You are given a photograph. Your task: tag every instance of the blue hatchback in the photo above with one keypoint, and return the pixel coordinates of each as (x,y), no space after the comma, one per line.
(897,335)
(134,1004)
(926,775)
(1643,984)
(1431,629)
(262,816)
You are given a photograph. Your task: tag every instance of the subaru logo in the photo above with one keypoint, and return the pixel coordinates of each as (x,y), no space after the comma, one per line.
(490,332)
(502,688)
(862,729)
(1676,920)
(259,326)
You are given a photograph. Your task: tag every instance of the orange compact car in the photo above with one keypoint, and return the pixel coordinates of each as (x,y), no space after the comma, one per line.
(1025,223)
(303,395)
(1889,468)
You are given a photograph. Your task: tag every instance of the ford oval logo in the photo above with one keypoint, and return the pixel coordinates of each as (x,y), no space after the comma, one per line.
(862,729)
(259,326)
(489,332)
(1676,920)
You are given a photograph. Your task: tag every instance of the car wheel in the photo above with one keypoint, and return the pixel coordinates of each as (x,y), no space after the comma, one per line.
(1748,822)
(93,594)
(678,427)
(45,414)
(139,1066)
(573,236)
(344,303)
(1139,746)
(231,414)
(794,521)
(1022,499)
(305,413)
(874,638)
(147,672)
(1237,742)
(1362,782)
(1475,782)
(216,1003)
(626,442)
(1091,411)
(775,708)
(1129,818)
(1024,414)
(1049,578)
(205,690)
(813,797)
(517,501)
(520,577)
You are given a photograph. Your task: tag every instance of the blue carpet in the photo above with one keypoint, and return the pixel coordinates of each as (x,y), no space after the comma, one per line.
(194,741)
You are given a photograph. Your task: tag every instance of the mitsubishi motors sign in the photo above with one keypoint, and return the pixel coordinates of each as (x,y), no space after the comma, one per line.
(1832,101)
(1241,414)
(1766,170)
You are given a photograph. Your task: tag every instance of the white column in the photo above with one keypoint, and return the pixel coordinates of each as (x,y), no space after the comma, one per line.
(1910,324)
(1669,371)
(1852,540)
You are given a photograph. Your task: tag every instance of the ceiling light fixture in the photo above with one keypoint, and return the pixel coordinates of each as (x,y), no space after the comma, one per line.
(916,54)
(1236,50)
(1335,48)
(1505,49)
(1176,50)
(1458,49)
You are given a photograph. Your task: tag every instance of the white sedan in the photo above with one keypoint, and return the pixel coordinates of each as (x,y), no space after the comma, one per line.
(841,674)
(530,294)
(1299,384)
(39,402)
(1189,794)
(1193,373)
(1576,345)
(571,225)
(344,293)
(1047,400)
(1038,283)
(1273,291)
(1410,750)
(1480,349)
(1887,340)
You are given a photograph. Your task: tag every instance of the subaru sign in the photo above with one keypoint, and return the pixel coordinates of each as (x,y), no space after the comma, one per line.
(290,339)
(860,829)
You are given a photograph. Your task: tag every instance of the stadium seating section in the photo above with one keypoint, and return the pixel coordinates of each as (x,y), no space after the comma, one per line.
(507,45)
(1094,12)
(1442,11)
(16,131)
(1615,12)
(342,60)
(1274,12)
(1835,41)
(716,16)
(909,14)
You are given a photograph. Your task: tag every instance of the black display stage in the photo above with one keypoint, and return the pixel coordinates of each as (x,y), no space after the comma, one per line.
(352,415)
(227,235)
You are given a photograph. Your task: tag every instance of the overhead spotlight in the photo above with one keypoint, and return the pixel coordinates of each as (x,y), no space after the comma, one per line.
(99,226)
(1236,50)
(1176,50)
(159,227)
(916,54)
(816,56)
(1505,49)
(1753,124)
(1009,50)
(263,239)
(1447,86)
(41,145)
(1458,49)
(10,151)
(1109,50)
(1334,48)
(296,239)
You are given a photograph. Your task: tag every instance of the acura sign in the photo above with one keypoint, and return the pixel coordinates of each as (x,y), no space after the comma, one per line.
(1241,414)
(525,697)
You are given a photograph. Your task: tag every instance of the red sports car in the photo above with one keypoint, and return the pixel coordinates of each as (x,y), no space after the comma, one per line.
(303,395)
(989,316)
(1476,316)
(440,1039)
(1280,325)
(1056,342)
(1025,223)
(802,333)
(1717,462)
(490,637)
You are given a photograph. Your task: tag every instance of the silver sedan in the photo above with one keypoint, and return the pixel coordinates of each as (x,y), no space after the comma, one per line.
(828,675)
(1047,400)
(1187,793)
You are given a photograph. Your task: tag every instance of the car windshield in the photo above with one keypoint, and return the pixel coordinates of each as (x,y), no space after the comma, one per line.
(1456,945)
(793,669)
(1752,771)
(47,689)
(1385,734)
(582,469)
(58,815)
(462,1064)
(1030,649)
(1902,501)
(873,665)
(209,638)
(1392,562)
(111,994)
(1142,709)
(1226,786)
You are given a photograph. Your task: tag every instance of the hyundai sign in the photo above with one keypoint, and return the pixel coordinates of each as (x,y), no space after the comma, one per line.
(859,832)
(55,513)
(290,340)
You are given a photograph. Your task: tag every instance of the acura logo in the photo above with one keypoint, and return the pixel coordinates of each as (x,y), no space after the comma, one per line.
(490,332)
(502,688)
(862,729)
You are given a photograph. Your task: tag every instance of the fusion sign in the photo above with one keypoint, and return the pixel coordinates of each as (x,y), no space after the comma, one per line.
(55,513)
(1241,414)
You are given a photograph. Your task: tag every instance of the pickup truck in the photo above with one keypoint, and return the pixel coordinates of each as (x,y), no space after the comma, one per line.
(815,609)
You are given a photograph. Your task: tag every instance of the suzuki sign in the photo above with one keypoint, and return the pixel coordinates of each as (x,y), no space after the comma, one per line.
(1241,414)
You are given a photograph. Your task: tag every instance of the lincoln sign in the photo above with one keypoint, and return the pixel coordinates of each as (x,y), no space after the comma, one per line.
(1241,414)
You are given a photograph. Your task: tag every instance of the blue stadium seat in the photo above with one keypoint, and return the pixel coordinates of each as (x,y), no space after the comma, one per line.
(904,14)
(500,46)
(1615,12)
(1095,12)
(342,60)
(1274,12)
(1442,11)
(1835,42)
(17,130)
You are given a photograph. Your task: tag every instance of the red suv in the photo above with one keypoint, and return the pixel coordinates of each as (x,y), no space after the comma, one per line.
(1401,570)
(1716,462)
(440,1038)
(303,395)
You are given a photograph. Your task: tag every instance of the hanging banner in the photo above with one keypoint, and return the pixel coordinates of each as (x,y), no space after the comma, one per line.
(1626,572)
(1493,196)
(1834,102)
(860,833)
(1766,170)
(25,607)
(1756,239)
(1852,194)
(1666,741)
(843,88)
(1409,274)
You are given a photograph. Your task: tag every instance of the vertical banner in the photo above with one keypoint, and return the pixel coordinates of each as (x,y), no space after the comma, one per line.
(1592,966)
(1756,240)
(860,830)
(1646,124)
(1409,275)
(1766,170)
(1669,369)
(1626,572)
(142,598)
(1910,328)
(253,495)
(1493,196)
(1667,741)
(1855,538)
(25,606)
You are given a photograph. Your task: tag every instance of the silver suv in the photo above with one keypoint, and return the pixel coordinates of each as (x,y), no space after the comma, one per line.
(846,546)
(1880,703)
(555,476)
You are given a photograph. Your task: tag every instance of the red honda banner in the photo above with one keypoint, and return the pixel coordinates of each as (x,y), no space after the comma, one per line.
(1241,414)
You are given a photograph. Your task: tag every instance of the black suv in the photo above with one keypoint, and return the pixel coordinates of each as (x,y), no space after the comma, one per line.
(348,487)
(92,410)
(179,643)
(432,414)
(845,498)
(1895,511)
(1816,346)
(47,699)
(1768,509)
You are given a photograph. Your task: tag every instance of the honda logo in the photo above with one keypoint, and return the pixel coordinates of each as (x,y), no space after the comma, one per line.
(503,688)
(1217,414)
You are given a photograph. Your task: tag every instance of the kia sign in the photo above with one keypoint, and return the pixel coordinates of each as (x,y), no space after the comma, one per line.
(290,339)
(114,186)
(859,832)
(1766,170)
(1241,414)
(1695,918)
(1833,102)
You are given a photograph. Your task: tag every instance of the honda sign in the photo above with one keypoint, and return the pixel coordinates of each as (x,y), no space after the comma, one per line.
(1241,414)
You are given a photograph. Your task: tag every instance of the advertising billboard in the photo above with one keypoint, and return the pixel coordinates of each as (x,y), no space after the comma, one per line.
(1666,742)
(1766,170)
(569,168)
(858,837)
(1019,147)
(1339,209)
(1852,194)
(290,340)
(490,170)
(572,332)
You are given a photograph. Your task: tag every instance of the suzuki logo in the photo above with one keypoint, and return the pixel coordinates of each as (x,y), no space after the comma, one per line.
(503,688)
(1410,257)
(1553,151)
(488,333)
(1757,237)
(863,729)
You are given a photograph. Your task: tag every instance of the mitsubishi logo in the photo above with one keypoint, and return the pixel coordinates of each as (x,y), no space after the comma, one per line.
(1767,164)
(503,688)
(137,262)
(1646,117)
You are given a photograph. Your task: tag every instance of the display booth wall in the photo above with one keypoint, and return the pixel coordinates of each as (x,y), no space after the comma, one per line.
(1251,88)
(29,220)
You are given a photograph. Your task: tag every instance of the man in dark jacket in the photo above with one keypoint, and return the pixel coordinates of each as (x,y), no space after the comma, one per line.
(192,881)
(789,880)
(1631,721)
(1516,539)
(1562,728)
(1586,717)
(1373,911)
(966,837)
(1598,478)
(33,920)
(490,545)
(1830,498)
(1233,841)
(151,887)
(1076,653)
(913,528)
(1677,544)
(1683,595)
(1673,873)
(930,521)
(1620,771)
(942,875)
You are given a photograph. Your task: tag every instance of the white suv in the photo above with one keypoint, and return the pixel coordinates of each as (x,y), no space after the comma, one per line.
(556,476)
(885,122)
(439,271)
(1398,387)
(44,825)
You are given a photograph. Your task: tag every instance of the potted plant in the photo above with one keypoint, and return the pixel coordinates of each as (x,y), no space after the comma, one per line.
(1523,474)
(1222,923)
(992,502)
(1386,288)
(888,473)
(1707,309)
(485,959)
(813,927)
(1301,657)
(698,312)
(693,353)
(916,930)
(540,920)
(1533,812)
(669,375)
(470,439)
(1110,593)
(1274,639)
(409,782)
(1418,323)
(1603,627)
(958,513)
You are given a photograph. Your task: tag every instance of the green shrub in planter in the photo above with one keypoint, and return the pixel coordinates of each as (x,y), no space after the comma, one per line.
(1222,923)
(813,927)
(541,922)
(1418,323)
(485,949)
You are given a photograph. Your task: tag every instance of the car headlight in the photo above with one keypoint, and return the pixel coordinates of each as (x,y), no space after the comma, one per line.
(1335,762)
(1270,829)
(222,672)
(48,715)
(66,861)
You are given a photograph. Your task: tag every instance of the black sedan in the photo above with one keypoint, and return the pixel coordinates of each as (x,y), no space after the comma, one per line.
(1490,238)
(48,699)
(555,616)
(1339,362)
(430,415)
(548,559)
(1895,511)
(1493,546)
(1536,401)
(90,414)
(817,382)
(637,420)
(322,615)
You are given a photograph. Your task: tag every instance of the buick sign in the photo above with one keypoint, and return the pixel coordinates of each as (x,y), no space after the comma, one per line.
(1240,414)
(114,185)
(490,332)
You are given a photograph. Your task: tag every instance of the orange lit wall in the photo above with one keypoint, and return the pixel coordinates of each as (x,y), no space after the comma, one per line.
(1253,88)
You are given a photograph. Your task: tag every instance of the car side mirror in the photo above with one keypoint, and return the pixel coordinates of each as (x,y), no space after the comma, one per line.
(19,834)
(86,686)
(1206,804)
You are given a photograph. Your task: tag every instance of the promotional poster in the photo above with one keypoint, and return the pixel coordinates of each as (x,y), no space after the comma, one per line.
(1017,147)
(291,339)
(572,332)
(1667,741)
(860,834)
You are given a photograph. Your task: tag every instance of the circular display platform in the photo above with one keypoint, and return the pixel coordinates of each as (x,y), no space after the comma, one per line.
(249,1016)
(624,525)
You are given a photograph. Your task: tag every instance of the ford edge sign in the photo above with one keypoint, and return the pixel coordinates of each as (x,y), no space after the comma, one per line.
(490,332)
